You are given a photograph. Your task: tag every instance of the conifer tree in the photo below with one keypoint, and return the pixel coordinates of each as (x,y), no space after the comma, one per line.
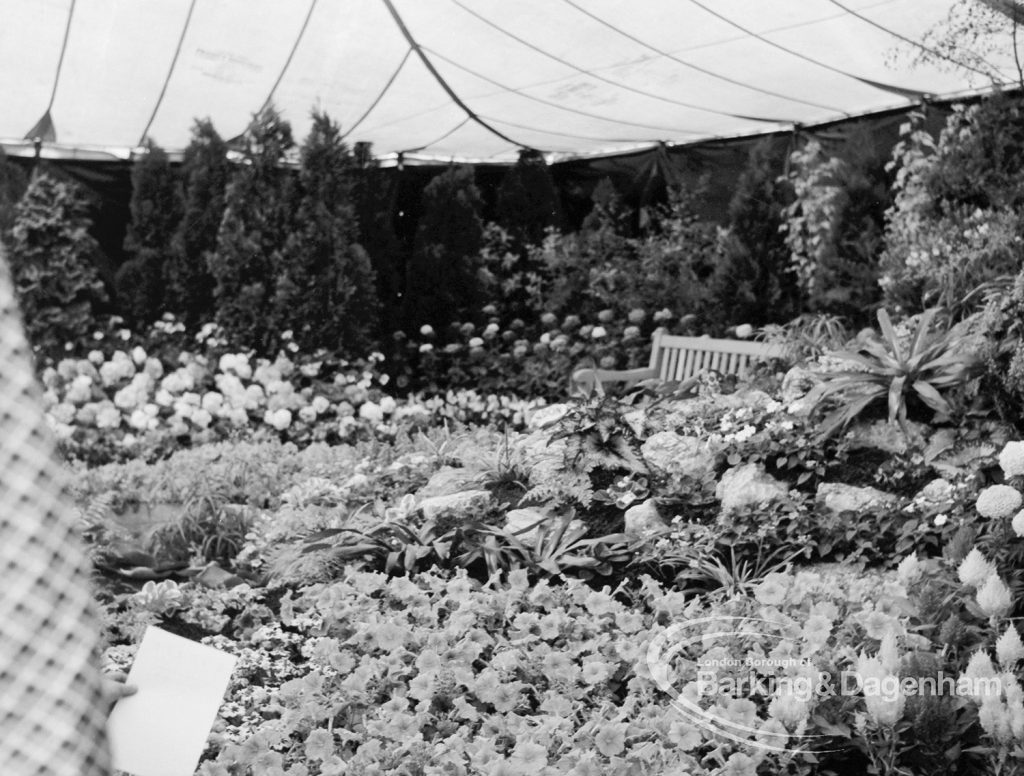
(442,283)
(325,291)
(258,218)
(528,202)
(374,193)
(155,213)
(204,177)
(52,257)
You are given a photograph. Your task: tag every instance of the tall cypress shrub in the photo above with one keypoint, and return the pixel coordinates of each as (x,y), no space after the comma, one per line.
(258,219)
(754,284)
(52,258)
(442,283)
(528,202)
(325,291)
(374,193)
(204,177)
(155,213)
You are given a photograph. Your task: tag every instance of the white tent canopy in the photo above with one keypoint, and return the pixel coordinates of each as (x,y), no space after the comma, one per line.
(469,80)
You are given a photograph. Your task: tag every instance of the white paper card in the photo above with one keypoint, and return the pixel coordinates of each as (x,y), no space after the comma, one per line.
(162,729)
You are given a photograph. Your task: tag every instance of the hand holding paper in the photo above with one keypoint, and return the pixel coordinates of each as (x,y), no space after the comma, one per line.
(162,729)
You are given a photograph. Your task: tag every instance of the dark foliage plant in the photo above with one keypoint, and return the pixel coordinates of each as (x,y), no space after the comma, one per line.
(753,282)
(53,263)
(324,289)
(442,282)
(155,213)
(259,217)
(204,177)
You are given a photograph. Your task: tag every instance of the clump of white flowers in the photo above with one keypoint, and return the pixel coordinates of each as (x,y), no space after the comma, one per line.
(998,501)
(1011,459)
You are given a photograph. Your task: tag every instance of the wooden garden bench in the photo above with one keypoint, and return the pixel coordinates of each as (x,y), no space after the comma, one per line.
(678,359)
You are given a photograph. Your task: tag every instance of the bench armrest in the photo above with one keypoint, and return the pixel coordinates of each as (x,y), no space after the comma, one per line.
(587,380)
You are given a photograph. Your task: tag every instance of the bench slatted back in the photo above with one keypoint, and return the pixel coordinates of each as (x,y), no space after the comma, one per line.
(678,358)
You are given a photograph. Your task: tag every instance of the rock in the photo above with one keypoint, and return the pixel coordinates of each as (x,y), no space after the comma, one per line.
(838,497)
(748,485)
(462,503)
(796,383)
(644,519)
(528,520)
(801,408)
(677,455)
(448,480)
(882,435)
(547,416)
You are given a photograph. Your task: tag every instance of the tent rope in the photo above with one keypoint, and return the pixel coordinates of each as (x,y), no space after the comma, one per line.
(905,39)
(610,81)
(380,96)
(698,68)
(436,140)
(440,79)
(44,128)
(291,55)
(798,55)
(566,108)
(170,72)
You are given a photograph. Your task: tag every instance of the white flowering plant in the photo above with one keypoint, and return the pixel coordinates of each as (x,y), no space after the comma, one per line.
(127,402)
(444,673)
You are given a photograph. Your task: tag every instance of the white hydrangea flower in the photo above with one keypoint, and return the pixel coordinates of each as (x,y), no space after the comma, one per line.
(212,402)
(998,501)
(975,569)
(1011,459)
(80,390)
(279,419)
(994,597)
(1009,648)
(107,415)
(201,418)
(237,363)
(371,412)
(1018,523)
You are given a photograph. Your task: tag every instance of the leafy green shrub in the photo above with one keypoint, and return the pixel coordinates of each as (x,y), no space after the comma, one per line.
(955,222)
(833,228)
(1003,352)
(52,257)
(325,290)
(667,267)
(155,214)
(807,336)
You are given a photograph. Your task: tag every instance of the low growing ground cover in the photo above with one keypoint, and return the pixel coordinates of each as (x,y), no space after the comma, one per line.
(674,581)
